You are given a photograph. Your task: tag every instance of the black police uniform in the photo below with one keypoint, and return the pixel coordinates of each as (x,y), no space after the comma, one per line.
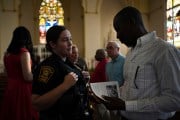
(71,105)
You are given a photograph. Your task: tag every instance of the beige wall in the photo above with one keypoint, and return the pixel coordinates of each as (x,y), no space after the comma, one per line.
(109,9)
(157,17)
(74,21)
(8,21)
(26,17)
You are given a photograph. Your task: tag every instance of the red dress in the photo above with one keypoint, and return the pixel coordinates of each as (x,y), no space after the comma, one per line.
(17,103)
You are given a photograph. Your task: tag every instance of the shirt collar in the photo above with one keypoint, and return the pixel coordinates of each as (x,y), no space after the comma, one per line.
(114,60)
(59,58)
(145,39)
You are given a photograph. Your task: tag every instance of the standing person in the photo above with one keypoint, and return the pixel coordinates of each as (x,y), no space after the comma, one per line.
(17,103)
(99,74)
(152,81)
(58,88)
(74,58)
(82,63)
(114,68)
(74,55)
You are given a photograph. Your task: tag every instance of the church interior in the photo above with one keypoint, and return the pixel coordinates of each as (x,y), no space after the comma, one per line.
(90,23)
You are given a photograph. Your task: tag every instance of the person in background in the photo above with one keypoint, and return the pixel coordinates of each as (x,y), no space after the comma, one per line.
(99,74)
(78,61)
(82,63)
(17,103)
(151,90)
(59,90)
(74,54)
(74,58)
(114,68)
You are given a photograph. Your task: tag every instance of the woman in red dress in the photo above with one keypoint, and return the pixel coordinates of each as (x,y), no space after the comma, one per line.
(17,104)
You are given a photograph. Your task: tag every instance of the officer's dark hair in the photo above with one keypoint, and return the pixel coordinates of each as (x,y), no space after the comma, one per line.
(53,35)
(128,14)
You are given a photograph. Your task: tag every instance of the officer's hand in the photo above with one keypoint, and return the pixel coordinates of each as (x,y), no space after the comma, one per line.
(113,103)
(70,79)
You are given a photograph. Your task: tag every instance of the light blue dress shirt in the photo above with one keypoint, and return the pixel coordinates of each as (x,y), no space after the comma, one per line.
(114,69)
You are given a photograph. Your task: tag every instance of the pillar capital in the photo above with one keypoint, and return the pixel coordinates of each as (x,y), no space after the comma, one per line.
(91,6)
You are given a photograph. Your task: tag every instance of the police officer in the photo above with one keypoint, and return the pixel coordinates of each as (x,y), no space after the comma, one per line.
(57,85)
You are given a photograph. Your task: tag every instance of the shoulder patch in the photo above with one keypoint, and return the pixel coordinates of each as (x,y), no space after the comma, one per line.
(46,73)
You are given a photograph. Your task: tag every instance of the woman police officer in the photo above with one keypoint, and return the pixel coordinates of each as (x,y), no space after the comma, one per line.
(58,87)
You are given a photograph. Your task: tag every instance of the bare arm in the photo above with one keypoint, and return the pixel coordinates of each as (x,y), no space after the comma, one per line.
(41,102)
(26,66)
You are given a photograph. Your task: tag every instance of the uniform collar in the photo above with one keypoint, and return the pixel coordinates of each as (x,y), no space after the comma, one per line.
(58,57)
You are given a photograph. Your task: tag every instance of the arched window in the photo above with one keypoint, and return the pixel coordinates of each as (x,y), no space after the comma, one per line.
(173,22)
(50,14)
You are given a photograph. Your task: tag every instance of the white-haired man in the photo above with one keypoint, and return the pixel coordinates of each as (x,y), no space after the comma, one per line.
(114,69)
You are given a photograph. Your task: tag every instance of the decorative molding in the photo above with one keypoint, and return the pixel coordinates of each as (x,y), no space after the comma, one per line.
(5,9)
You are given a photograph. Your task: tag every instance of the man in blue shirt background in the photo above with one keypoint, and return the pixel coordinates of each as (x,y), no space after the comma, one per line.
(114,69)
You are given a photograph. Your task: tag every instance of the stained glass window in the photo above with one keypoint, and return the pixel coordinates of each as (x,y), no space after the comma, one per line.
(173,22)
(50,14)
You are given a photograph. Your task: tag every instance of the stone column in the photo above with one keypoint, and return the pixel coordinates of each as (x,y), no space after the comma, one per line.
(92,31)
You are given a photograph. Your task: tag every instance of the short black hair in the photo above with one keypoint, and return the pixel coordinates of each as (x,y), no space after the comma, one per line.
(128,14)
(52,35)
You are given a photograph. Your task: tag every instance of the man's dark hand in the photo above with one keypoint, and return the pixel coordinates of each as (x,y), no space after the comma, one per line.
(114,103)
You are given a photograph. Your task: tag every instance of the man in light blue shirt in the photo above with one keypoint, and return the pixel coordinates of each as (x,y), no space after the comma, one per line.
(114,68)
